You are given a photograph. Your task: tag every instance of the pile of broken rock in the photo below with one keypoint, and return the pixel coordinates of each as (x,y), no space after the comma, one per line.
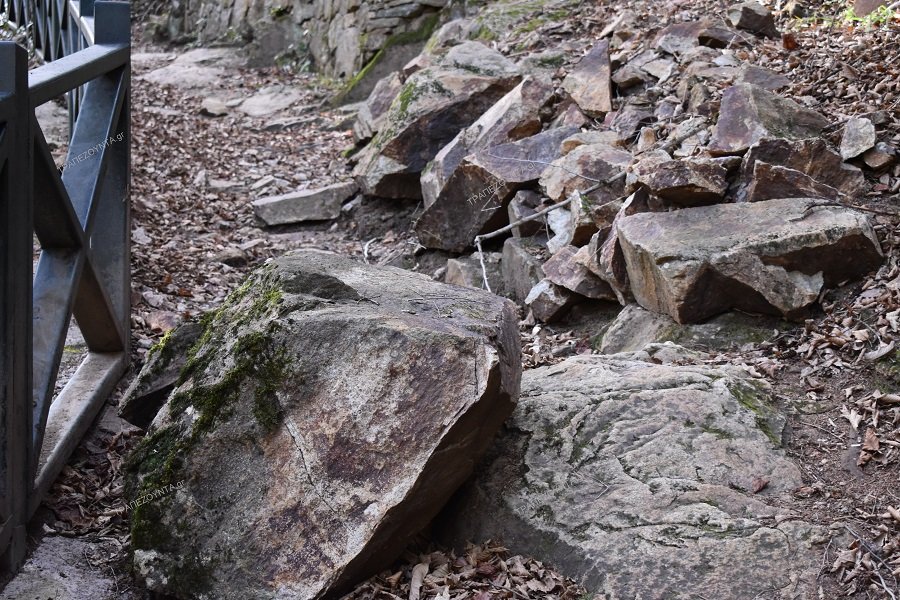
(664,169)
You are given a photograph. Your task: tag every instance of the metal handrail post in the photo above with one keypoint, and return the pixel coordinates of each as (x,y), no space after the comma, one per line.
(16,190)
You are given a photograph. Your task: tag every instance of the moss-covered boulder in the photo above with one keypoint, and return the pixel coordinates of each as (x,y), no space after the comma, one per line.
(323,418)
(646,475)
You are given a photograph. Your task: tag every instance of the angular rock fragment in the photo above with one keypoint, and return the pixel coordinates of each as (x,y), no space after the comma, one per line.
(371,114)
(326,414)
(306,205)
(629,119)
(521,266)
(687,182)
(563,269)
(513,117)
(589,82)
(770,257)
(882,156)
(466,271)
(431,109)
(474,198)
(810,157)
(523,205)
(567,174)
(680,38)
(549,302)
(773,181)
(635,327)
(754,17)
(584,138)
(859,136)
(628,475)
(750,113)
(762,77)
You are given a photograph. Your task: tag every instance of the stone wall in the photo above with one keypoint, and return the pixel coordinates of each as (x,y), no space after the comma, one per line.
(339,37)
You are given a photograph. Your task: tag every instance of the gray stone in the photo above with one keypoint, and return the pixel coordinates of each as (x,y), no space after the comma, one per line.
(513,117)
(549,302)
(466,271)
(522,205)
(638,480)
(589,82)
(431,109)
(754,17)
(634,328)
(771,257)
(521,266)
(304,205)
(859,136)
(371,114)
(157,378)
(328,412)
(270,100)
(751,113)
(563,176)
(564,270)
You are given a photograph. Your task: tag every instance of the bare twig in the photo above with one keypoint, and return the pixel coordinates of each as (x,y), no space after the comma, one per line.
(487,285)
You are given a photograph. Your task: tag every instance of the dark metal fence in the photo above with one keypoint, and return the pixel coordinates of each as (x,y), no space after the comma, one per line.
(81,219)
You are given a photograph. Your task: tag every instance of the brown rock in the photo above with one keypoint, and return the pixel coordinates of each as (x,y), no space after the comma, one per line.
(549,302)
(770,257)
(589,82)
(863,8)
(564,270)
(371,114)
(595,161)
(521,266)
(754,17)
(772,181)
(430,110)
(475,196)
(687,182)
(522,205)
(762,77)
(810,157)
(750,113)
(880,157)
(513,117)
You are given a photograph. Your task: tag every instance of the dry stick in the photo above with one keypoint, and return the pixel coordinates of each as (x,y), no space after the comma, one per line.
(874,554)
(578,193)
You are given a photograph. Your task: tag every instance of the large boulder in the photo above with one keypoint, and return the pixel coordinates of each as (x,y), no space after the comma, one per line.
(750,113)
(769,257)
(324,417)
(428,112)
(645,480)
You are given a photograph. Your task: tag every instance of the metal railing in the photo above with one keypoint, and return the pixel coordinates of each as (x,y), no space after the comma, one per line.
(81,218)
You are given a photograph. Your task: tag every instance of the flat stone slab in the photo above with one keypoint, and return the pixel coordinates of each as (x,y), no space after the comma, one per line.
(645,480)
(770,257)
(306,205)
